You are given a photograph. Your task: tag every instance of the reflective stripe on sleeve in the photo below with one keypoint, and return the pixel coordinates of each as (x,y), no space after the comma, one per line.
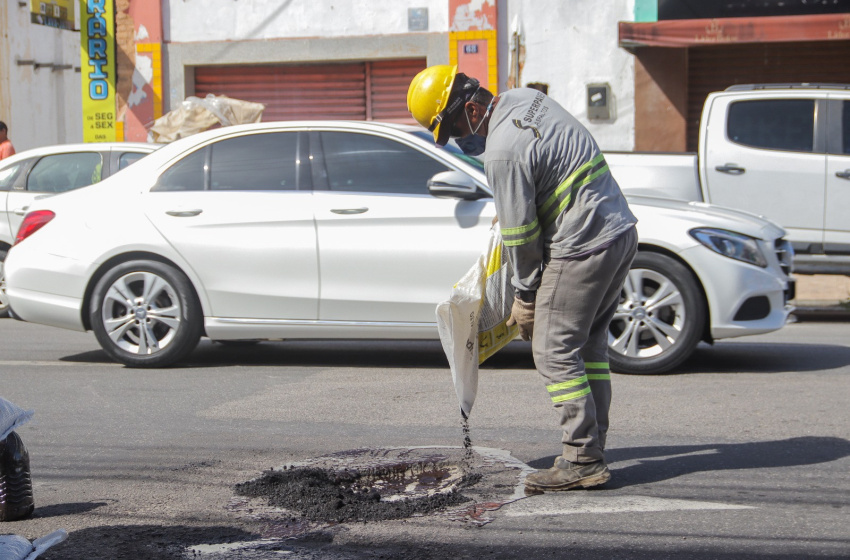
(562,196)
(521,235)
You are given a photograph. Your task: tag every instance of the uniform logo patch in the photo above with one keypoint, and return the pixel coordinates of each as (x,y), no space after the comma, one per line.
(519,125)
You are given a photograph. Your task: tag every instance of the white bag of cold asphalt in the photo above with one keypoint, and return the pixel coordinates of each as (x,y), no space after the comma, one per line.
(14,547)
(472,321)
(12,417)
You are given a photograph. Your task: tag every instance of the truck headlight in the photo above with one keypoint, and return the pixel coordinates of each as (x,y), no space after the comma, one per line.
(731,244)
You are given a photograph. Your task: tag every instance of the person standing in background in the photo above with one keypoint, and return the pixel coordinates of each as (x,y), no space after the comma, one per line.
(6,147)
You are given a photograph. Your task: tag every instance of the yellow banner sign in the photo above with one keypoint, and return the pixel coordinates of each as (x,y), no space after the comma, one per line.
(97,36)
(55,13)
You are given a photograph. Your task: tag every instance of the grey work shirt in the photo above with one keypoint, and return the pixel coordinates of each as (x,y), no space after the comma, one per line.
(554,195)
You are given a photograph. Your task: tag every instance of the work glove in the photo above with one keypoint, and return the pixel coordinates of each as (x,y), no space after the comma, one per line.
(522,314)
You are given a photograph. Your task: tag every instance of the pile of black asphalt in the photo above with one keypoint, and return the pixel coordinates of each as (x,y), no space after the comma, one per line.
(339,496)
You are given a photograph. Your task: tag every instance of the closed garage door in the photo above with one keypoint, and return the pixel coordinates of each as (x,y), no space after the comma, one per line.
(374,90)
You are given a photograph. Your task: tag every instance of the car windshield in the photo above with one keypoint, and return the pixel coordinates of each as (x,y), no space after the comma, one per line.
(452,148)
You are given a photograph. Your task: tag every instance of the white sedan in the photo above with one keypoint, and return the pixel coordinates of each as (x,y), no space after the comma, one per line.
(347,230)
(48,170)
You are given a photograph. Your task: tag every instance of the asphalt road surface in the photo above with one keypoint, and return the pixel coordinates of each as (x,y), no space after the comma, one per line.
(741,453)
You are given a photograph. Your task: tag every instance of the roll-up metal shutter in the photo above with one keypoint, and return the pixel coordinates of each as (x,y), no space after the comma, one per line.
(348,91)
(388,89)
(716,67)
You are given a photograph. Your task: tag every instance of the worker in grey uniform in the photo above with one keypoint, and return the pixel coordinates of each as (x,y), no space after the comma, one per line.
(570,238)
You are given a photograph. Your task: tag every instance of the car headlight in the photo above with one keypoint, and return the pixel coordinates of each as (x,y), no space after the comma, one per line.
(730,244)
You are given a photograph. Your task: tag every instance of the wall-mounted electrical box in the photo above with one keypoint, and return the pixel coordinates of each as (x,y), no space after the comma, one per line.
(598,102)
(417,19)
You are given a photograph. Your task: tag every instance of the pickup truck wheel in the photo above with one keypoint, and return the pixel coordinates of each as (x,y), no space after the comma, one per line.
(146,314)
(659,319)
(4,299)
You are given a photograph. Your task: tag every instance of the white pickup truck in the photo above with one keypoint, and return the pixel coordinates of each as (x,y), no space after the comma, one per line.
(779,151)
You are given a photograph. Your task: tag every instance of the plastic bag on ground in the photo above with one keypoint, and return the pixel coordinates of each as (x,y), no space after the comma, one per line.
(12,417)
(471,323)
(15,547)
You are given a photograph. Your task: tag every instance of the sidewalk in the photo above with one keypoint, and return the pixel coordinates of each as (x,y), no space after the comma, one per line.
(822,297)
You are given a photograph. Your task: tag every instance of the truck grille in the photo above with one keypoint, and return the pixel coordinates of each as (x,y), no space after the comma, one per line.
(785,255)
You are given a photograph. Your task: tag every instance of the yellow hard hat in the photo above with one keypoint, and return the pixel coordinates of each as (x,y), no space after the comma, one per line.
(428,100)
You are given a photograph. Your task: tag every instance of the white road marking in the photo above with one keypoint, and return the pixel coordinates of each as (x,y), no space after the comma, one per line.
(232,547)
(561,503)
(54,363)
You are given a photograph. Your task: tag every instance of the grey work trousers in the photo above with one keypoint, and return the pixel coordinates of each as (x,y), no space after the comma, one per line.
(575,303)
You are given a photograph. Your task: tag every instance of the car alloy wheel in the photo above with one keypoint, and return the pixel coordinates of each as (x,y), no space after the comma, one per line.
(659,319)
(146,314)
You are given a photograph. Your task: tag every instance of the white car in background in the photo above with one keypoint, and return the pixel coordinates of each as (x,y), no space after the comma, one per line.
(49,170)
(347,230)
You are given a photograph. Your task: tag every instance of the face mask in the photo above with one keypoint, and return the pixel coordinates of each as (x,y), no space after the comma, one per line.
(474,145)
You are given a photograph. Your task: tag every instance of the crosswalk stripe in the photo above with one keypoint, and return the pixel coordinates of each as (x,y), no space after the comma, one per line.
(564,504)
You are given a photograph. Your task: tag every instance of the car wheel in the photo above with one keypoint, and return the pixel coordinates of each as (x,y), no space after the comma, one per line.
(146,314)
(659,319)
(4,299)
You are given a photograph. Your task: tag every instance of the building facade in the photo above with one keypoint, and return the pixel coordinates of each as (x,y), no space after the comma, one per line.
(634,71)
(39,78)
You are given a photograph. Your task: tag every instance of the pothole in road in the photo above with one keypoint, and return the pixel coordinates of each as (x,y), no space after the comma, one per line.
(380,484)
(372,493)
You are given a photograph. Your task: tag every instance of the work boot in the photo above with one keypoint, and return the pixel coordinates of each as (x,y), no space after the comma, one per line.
(566,475)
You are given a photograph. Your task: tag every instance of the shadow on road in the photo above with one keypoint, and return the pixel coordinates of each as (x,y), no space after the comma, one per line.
(339,353)
(141,542)
(733,357)
(58,510)
(663,462)
(723,357)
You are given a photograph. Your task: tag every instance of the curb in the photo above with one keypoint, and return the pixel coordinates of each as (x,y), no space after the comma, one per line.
(822,311)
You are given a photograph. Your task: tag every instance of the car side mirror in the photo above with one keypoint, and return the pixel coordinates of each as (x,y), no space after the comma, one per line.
(454,184)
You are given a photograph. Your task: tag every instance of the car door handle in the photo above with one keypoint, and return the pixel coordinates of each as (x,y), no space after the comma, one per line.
(21,211)
(349,210)
(184,213)
(843,174)
(731,169)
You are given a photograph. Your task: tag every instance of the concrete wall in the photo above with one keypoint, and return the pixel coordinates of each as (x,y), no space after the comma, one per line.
(570,44)
(227,20)
(182,57)
(205,32)
(41,105)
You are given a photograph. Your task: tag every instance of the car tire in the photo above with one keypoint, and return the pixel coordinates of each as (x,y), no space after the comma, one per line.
(4,299)
(146,314)
(659,319)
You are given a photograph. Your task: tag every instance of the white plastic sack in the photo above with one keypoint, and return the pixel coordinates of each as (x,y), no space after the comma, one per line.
(196,115)
(15,547)
(472,321)
(11,418)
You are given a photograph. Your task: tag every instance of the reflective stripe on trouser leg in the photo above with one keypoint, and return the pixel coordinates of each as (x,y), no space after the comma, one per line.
(595,351)
(599,378)
(575,302)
